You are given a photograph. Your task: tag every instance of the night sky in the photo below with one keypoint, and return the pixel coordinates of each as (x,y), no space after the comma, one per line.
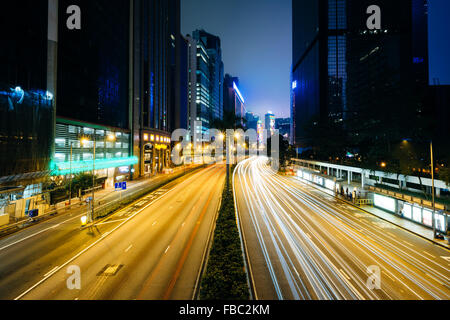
(257,45)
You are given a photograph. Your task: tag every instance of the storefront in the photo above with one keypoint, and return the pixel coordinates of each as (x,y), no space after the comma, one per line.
(156,152)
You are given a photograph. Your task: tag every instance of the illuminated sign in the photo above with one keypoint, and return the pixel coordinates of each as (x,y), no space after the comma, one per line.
(385,203)
(238,92)
(64,168)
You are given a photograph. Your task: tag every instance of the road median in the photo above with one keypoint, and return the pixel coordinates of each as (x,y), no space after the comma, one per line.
(225,277)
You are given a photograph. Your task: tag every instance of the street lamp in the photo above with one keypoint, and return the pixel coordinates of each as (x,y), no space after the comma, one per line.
(70,183)
(84,142)
(432,191)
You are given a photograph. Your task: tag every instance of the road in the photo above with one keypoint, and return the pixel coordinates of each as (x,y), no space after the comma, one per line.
(303,244)
(152,249)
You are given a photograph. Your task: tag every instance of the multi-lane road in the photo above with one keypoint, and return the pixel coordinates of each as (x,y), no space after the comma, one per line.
(152,249)
(302,243)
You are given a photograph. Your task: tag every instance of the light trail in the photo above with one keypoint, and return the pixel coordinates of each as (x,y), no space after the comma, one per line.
(315,249)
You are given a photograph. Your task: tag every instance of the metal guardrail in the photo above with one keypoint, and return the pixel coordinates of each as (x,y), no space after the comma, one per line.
(364,202)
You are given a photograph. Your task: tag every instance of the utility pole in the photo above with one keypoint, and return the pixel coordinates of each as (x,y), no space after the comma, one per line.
(93,179)
(70,183)
(432,191)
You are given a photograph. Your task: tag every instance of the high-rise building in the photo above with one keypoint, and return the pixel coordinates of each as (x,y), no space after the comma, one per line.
(270,122)
(234,102)
(319,74)
(216,70)
(283,125)
(27,92)
(251,121)
(355,78)
(206,79)
(113,84)
(157,93)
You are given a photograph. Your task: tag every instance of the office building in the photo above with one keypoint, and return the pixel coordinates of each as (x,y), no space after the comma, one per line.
(233,101)
(269,123)
(347,77)
(251,121)
(27,91)
(110,88)
(213,48)
(205,80)
(283,125)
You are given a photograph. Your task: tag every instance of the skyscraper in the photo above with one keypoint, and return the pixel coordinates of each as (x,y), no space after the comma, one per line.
(355,81)
(270,122)
(234,102)
(319,76)
(252,121)
(27,91)
(206,88)
(117,77)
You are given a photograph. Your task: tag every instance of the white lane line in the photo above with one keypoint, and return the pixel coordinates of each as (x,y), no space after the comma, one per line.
(105,234)
(129,248)
(154,223)
(92,245)
(184,223)
(429,254)
(112,221)
(35,234)
(167,249)
(51,271)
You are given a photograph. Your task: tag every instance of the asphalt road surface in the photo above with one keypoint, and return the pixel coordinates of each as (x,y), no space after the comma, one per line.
(303,244)
(152,249)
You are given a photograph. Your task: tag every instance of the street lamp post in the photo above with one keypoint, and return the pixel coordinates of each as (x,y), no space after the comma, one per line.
(70,183)
(432,191)
(93,179)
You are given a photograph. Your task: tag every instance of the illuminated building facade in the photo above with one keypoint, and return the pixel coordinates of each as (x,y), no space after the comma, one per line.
(270,122)
(342,71)
(234,102)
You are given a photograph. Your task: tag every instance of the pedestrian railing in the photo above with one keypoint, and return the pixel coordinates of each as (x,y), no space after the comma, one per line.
(364,202)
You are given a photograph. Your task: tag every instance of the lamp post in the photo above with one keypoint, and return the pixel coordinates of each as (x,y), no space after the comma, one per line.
(70,183)
(84,141)
(432,191)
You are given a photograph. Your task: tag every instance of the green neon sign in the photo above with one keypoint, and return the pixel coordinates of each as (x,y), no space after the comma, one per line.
(65,168)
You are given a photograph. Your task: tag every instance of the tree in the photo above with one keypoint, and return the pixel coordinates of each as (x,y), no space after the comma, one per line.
(81,181)
(444,175)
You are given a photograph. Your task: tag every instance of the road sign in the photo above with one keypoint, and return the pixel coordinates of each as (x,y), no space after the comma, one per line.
(119,186)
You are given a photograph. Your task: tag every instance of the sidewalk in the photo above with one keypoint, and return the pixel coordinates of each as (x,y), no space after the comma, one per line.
(405,224)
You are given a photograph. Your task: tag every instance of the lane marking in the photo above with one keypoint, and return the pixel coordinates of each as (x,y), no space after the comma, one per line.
(51,271)
(128,249)
(35,234)
(167,249)
(95,243)
(154,223)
